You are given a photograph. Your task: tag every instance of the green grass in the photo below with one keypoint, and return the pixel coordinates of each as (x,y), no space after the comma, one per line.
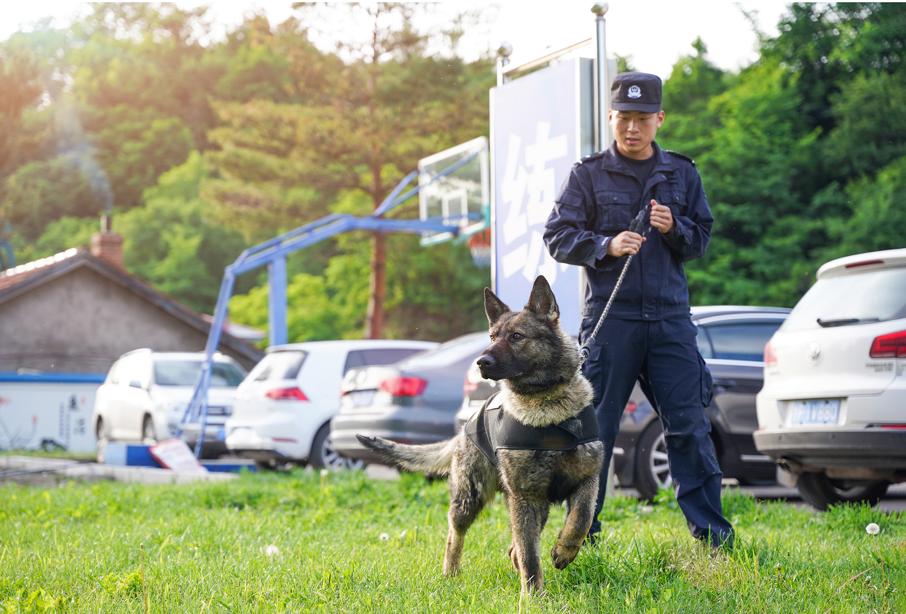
(111,547)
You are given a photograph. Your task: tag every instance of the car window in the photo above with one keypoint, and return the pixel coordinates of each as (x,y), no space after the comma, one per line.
(704,343)
(278,365)
(377,356)
(185,373)
(451,352)
(354,359)
(868,296)
(741,340)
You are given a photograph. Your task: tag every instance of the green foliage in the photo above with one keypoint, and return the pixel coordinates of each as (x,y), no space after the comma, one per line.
(171,242)
(58,236)
(21,89)
(41,192)
(801,152)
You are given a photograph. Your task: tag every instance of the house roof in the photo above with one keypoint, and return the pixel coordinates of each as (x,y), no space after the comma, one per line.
(26,277)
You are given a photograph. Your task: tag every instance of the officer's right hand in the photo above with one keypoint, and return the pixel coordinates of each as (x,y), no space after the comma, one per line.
(625,243)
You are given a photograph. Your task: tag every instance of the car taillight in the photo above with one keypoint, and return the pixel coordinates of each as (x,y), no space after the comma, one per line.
(892,345)
(286,394)
(770,358)
(404,386)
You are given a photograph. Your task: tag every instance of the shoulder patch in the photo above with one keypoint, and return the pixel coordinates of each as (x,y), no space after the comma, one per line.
(591,157)
(680,156)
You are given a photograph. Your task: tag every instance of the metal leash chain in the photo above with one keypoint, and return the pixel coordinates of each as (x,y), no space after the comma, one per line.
(639,225)
(583,351)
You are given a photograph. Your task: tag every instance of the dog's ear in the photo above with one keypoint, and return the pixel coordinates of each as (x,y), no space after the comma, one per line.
(542,300)
(493,306)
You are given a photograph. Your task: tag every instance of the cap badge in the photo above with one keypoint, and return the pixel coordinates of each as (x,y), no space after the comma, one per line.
(634,91)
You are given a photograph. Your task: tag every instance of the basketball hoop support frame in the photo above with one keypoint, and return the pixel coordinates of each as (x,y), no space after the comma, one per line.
(272,253)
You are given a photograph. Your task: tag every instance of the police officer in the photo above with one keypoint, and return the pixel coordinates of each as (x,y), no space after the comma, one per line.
(648,334)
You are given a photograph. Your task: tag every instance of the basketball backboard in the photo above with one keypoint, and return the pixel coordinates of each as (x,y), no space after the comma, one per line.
(454,186)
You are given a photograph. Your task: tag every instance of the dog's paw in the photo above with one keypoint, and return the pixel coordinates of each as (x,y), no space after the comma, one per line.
(513,556)
(563,555)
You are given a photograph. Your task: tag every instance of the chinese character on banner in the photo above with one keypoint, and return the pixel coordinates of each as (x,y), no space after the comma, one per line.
(529,188)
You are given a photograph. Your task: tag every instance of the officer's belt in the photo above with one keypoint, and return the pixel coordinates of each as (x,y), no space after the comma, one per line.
(492,429)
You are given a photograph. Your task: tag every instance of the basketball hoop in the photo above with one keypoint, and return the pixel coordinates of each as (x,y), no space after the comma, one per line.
(480,246)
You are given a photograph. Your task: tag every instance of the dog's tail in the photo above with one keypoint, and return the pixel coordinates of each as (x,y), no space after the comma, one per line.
(431,458)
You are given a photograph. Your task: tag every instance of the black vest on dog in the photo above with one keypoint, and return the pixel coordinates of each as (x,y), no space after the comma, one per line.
(493,429)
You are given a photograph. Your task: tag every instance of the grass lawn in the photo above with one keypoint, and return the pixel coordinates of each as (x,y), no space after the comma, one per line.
(339,543)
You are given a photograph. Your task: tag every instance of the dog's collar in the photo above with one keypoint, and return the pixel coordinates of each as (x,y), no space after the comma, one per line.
(492,429)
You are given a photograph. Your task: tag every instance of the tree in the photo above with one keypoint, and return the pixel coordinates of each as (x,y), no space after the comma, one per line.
(21,89)
(387,105)
(38,193)
(170,241)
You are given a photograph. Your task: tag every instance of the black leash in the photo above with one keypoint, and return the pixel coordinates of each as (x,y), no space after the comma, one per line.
(640,224)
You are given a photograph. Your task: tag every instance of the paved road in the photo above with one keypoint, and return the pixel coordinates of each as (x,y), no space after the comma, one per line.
(895,500)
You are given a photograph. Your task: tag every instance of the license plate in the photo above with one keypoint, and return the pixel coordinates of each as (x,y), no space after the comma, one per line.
(360,398)
(814,411)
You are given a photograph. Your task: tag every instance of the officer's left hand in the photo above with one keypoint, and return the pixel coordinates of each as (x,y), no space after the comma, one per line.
(661,217)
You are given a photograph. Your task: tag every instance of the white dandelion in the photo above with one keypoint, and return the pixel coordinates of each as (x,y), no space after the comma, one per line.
(272,550)
(872,528)
(324,473)
(384,537)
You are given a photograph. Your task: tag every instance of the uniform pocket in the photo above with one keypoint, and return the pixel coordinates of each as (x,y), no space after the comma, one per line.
(674,197)
(707,382)
(615,210)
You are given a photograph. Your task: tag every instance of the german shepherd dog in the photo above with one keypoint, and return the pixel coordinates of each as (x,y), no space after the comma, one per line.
(538,366)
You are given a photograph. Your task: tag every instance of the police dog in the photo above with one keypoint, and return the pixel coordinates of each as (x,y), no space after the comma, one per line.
(537,364)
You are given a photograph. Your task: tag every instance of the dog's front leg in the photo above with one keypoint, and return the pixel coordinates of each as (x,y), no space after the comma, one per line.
(526,519)
(581,507)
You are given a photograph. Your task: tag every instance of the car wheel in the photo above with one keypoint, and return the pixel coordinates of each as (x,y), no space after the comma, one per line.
(820,491)
(652,471)
(149,438)
(323,456)
(100,433)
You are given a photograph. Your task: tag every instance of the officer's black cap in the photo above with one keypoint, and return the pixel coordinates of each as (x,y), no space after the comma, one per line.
(636,91)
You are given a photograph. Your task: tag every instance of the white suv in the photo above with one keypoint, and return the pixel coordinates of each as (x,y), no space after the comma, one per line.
(832,411)
(284,406)
(146,393)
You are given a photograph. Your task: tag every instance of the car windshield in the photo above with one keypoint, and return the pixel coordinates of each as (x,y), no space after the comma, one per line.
(185,373)
(868,296)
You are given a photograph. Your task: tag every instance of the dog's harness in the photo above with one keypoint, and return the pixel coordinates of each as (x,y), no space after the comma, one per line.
(492,429)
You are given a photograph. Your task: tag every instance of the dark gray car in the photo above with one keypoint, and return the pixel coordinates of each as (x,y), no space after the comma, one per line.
(412,401)
(731,339)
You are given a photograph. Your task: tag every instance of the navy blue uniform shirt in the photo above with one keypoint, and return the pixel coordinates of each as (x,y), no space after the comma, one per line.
(598,201)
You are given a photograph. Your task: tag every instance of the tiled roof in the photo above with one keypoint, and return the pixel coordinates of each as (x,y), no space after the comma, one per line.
(23,272)
(21,279)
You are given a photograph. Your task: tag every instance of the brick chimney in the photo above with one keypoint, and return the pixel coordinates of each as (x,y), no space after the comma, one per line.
(107,244)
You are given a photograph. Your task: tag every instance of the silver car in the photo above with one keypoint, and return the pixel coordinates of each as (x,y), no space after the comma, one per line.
(412,401)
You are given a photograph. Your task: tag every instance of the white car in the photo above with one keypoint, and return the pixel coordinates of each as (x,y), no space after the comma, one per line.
(284,406)
(832,411)
(145,395)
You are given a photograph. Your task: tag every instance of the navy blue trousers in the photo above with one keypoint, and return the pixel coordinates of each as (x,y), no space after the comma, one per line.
(663,352)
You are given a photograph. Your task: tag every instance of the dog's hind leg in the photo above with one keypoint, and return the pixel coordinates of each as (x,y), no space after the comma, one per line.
(581,506)
(526,520)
